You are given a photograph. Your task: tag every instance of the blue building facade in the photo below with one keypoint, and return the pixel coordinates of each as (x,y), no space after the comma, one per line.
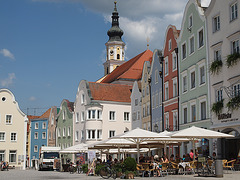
(156,76)
(38,139)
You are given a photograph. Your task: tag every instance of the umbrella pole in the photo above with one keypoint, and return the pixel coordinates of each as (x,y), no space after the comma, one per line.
(138,152)
(118,153)
(193,144)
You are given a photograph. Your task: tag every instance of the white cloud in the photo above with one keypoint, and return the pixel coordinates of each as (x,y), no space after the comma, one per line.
(139,19)
(32,98)
(7,53)
(8,81)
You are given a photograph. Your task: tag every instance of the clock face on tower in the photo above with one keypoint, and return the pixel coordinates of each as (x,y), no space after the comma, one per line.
(111,52)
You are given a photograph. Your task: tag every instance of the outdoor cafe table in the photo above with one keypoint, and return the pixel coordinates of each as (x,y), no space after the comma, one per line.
(184,165)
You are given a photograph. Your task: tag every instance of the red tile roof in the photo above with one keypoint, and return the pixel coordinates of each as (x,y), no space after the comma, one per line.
(46,114)
(110,92)
(131,70)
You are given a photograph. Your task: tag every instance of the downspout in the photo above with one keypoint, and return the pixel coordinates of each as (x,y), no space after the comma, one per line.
(176,51)
(150,106)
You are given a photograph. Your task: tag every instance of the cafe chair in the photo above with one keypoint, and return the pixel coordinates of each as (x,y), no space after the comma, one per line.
(140,169)
(164,169)
(229,164)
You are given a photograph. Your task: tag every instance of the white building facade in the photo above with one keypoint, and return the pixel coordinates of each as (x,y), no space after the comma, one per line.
(101,111)
(223,31)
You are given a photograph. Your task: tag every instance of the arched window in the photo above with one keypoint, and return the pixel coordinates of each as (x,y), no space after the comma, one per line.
(118,56)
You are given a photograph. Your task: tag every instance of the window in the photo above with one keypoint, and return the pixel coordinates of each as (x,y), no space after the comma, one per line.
(143,93)
(156,76)
(191,45)
(190,23)
(82,134)
(184,52)
(112,115)
(99,134)
(36,125)
(235,46)
(91,134)
(44,125)
(82,99)
(166,92)
(202,75)
(2,155)
(8,119)
(166,66)
(111,133)
(99,114)
(76,135)
(52,120)
(44,135)
(147,90)
(59,132)
(49,135)
(126,116)
(64,115)
(174,61)
(69,131)
(234,11)
(77,117)
(13,136)
(64,132)
(82,116)
(236,90)
(2,136)
(193,113)
(138,115)
(144,112)
(148,110)
(36,135)
(203,110)
(91,114)
(166,121)
(136,102)
(185,115)
(175,120)
(160,98)
(219,95)
(216,23)
(35,148)
(12,156)
(217,55)
(53,134)
(200,38)
(169,45)
(175,89)
(184,83)
(193,80)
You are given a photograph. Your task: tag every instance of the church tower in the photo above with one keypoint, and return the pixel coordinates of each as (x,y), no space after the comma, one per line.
(115,45)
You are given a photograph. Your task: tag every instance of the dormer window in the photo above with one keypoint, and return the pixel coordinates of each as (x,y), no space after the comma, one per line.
(83,99)
(190,21)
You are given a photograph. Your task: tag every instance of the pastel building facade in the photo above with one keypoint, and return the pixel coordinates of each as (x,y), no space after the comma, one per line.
(194,104)
(136,104)
(38,139)
(64,135)
(13,131)
(171,79)
(52,125)
(155,88)
(223,25)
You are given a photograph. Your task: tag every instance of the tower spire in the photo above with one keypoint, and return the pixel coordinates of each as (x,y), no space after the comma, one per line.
(115,33)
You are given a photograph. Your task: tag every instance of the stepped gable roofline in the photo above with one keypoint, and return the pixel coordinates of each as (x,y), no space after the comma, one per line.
(175,33)
(199,10)
(110,92)
(70,105)
(131,69)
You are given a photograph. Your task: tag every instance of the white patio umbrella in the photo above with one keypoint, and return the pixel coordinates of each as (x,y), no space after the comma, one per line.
(75,149)
(194,133)
(139,136)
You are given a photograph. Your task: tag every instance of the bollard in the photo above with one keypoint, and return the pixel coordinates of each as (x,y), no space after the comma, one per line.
(219,168)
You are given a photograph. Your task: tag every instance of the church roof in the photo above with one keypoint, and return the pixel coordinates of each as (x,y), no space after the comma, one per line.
(130,70)
(110,92)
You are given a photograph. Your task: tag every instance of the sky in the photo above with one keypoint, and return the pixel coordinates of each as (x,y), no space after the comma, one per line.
(48,46)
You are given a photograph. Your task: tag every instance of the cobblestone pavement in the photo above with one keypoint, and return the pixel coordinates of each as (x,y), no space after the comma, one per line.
(52,175)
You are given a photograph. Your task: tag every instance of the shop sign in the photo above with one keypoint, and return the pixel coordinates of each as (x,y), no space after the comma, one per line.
(226,117)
